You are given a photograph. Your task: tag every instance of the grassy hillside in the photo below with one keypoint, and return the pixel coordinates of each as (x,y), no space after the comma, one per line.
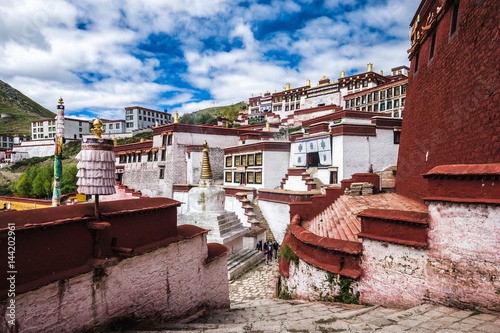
(206,116)
(22,109)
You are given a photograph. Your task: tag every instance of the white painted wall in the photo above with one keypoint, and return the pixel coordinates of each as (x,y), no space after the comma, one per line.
(277,216)
(274,168)
(295,183)
(393,274)
(170,282)
(311,283)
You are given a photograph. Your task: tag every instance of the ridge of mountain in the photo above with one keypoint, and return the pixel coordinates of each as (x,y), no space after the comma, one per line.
(17,111)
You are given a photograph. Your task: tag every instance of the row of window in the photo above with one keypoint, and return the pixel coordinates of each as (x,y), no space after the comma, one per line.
(250,177)
(167,140)
(149,113)
(383,106)
(4,138)
(368,98)
(357,84)
(110,126)
(244,160)
(136,158)
(5,145)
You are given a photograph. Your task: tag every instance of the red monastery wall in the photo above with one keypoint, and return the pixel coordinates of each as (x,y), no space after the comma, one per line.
(451,114)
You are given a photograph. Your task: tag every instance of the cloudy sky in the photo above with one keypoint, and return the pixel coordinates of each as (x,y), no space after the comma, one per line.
(102,56)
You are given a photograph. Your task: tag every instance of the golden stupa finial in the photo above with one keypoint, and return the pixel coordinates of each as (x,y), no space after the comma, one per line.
(370,67)
(308,82)
(342,74)
(267,126)
(115,142)
(260,94)
(206,170)
(275,91)
(288,86)
(324,77)
(176,117)
(61,102)
(381,72)
(251,95)
(97,130)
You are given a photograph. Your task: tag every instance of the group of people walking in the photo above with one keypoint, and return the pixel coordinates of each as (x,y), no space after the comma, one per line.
(269,248)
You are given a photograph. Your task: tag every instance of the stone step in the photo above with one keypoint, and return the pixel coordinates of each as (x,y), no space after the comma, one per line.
(244,263)
(200,327)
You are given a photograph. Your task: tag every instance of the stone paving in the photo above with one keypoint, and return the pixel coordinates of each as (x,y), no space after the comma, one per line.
(253,309)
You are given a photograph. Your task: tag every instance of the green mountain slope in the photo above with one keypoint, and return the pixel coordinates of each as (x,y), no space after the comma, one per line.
(206,116)
(22,110)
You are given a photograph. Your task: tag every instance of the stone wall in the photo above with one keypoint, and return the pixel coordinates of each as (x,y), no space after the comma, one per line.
(464,261)
(171,282)
(313,284)
(393,274)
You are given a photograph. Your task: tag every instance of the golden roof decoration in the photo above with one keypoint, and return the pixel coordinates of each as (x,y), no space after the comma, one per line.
(97,130)
(206,170)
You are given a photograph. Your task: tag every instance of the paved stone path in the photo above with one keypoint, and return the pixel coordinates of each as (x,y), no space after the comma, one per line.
(253,309)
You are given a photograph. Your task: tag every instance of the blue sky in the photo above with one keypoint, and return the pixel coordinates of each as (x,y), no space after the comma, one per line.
(102,56)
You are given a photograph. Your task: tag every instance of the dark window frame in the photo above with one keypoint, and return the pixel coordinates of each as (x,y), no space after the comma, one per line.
(257,159)
(454,20)
(256,179)
(397,137)
(432,50)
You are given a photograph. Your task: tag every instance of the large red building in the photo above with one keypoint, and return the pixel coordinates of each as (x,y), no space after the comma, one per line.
(452,107)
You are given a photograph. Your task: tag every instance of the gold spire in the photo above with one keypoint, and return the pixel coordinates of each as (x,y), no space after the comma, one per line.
(176,117)
(251,95)
(308,82)
(370,67)
(61,101)
(288,86)
(97,130)
(324,77)
(267,126)
(342,74)
(206,171)
(115,142)
(381,72)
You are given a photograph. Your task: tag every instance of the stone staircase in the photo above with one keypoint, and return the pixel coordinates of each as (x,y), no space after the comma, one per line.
(262,220)
(298,179)
(240,262)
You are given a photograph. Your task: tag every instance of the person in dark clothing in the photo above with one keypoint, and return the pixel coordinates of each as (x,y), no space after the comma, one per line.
(275,247)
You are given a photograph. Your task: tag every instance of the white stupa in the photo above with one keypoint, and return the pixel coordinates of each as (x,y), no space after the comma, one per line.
(206,210)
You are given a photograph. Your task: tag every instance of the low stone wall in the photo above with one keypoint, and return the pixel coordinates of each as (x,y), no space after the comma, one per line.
(171,282)
(464,261)
(314,284)
(393,274)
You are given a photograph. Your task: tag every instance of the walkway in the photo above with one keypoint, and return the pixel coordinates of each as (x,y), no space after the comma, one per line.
(253,309)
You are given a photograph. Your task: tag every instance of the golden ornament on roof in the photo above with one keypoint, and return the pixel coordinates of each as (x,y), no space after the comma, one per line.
(206,170)
(97,130)
(61,101)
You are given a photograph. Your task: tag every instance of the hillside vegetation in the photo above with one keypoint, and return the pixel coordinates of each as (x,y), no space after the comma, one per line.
(209,115)
(22,109)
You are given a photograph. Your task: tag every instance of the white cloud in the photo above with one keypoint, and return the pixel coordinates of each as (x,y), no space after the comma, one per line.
(101,68)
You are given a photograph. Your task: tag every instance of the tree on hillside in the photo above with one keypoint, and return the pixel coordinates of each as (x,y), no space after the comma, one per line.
(25,181)
(68,184)
(42,182)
